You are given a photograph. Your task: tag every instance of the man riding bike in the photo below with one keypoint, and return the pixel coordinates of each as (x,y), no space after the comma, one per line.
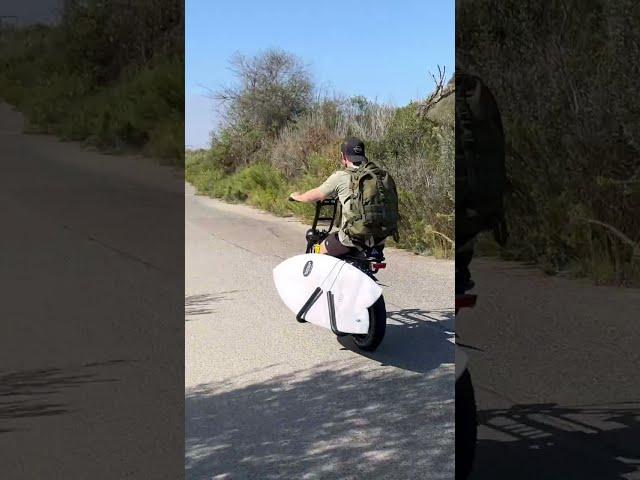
(339,185)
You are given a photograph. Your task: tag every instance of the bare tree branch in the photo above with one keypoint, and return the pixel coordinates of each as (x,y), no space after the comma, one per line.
(440,92)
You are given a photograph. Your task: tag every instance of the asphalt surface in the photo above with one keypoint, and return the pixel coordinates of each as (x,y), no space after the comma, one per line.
(91,350)
(269,398)
(555,365)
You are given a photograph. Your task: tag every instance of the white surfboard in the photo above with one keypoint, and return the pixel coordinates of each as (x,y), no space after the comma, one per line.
(354,292)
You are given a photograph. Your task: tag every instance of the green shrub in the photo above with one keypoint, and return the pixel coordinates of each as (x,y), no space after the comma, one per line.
(411,148)
(573,155)
(59,77)
(248,163)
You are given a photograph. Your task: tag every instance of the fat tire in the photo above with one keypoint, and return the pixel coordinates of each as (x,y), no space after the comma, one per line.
(466,426)
(377,327)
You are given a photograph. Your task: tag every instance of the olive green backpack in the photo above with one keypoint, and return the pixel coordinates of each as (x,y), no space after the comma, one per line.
(481,179)
(372,215)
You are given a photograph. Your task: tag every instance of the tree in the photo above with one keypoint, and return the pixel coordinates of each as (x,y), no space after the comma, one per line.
(274,89)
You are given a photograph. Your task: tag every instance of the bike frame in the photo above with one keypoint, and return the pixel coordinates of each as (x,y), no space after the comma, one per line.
(315,236)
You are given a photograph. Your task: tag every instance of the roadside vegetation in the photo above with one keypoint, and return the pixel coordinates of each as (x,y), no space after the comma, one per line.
(110,74)
(278,135)
(575,170)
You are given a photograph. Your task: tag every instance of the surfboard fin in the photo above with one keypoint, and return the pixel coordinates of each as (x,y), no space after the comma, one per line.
(308,304)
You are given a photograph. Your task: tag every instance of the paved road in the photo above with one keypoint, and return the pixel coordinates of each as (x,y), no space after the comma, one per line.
(556,374)
(91,312)
(269,398)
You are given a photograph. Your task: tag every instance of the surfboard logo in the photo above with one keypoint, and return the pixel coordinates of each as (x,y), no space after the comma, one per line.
(307,268)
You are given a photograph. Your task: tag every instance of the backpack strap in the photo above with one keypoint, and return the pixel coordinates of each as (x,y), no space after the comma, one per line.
(354,194)
(338,222)
(354,180)
(465,117)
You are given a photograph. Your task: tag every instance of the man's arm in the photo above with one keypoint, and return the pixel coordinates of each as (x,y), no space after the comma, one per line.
(310,196)
(324,191)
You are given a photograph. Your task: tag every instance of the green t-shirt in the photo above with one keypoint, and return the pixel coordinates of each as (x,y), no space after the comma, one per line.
(338,186)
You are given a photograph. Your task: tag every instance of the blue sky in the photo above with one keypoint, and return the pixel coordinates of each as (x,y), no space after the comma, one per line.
(383,50)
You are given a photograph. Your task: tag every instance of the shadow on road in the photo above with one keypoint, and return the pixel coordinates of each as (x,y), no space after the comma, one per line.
(333,421)
(553,442)
(32,393)
(415,340)
(202,304)
(199,305)
(564,342)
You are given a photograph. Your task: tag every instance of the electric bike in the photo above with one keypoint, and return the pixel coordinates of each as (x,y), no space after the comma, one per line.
(369,260)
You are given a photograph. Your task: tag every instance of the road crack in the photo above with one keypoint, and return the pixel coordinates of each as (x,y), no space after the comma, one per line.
(123,253)
(240,247)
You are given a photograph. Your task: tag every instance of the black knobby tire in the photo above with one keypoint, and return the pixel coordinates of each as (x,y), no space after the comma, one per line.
(466,426)
(377,327)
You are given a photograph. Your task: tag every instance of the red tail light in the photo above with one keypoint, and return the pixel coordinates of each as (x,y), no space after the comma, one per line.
(378,266)
(465,301)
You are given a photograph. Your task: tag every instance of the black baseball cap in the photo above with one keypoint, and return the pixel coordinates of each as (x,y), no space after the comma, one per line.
(353,148)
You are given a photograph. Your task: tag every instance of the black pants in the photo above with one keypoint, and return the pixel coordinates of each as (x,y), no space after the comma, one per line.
(463,274)
(334,246)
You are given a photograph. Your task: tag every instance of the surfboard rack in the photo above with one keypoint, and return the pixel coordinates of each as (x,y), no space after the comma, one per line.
(332,315)
(313,298)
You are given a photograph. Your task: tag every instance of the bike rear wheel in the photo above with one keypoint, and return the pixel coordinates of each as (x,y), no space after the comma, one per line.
(377,327)
(466,426)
